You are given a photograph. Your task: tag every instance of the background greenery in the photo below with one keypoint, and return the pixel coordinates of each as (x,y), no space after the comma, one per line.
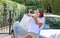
(55,4)
(20,7)
(17,11)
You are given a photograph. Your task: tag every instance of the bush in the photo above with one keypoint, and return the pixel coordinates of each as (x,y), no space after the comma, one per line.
(17,10)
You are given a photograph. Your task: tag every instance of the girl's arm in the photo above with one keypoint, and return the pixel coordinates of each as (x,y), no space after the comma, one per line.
(38,23)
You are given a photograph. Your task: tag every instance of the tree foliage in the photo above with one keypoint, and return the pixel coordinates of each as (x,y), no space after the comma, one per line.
(55,5)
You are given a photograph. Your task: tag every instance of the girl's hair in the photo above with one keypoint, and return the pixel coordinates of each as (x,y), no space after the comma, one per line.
(41,12)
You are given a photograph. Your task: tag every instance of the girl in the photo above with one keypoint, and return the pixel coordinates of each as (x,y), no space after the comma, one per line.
(36,24)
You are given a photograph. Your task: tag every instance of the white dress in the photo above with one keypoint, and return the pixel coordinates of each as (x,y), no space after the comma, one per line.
(33,27)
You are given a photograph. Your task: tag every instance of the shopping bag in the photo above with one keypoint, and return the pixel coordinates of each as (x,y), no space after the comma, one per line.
(24,22)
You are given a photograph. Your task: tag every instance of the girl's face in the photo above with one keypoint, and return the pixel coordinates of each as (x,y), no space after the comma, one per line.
(37,13)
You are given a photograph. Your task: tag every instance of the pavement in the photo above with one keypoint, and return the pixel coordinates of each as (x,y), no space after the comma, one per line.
(5,36)
(4,30)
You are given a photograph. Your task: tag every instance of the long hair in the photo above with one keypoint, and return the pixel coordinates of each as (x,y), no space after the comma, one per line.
(41,13)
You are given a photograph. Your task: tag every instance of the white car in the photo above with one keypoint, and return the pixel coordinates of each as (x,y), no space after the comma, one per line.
(51,27)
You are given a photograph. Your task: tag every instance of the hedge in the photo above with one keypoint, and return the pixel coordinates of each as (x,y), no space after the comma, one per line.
(31,7)
(17,11)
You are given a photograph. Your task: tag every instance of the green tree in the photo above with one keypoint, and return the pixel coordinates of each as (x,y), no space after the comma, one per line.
(55,5)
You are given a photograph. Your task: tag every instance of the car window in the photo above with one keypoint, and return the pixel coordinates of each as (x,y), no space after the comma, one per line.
(52,23)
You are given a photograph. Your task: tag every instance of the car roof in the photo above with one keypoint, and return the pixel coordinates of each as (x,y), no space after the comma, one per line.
(50,15)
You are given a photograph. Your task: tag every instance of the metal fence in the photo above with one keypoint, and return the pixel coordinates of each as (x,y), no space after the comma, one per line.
(5,23)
